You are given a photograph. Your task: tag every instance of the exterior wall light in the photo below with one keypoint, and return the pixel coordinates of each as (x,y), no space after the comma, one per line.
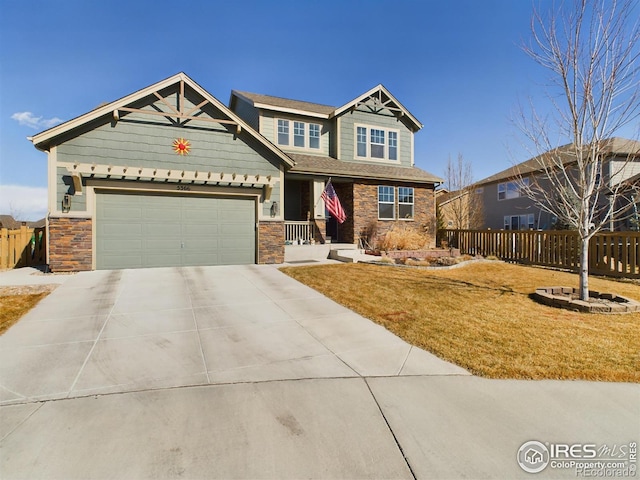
(274,209)
(66,203)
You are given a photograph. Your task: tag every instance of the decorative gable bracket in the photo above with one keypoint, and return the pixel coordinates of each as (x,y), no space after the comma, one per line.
(177,114)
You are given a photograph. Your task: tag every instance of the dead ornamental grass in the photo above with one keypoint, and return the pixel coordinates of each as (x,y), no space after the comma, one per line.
(481,318)
(17,301)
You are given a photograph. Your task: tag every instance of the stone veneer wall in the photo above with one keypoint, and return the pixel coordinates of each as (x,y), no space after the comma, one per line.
(270,241)
(70,244)
(365,208)
(320,233)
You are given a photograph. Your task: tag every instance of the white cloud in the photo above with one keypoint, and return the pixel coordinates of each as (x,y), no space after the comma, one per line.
(24,203)
(28,119)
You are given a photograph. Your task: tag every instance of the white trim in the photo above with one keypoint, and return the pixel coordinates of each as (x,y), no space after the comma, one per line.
(338,138)
(393,189)
(291,135)
(52,160)
(187,177)
(292,111)
(413,158)
(413,204)
(369,158)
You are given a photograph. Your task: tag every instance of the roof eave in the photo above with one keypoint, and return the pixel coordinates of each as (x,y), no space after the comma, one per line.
(434,180)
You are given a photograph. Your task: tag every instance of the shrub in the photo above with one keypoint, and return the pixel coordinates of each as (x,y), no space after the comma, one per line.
(403,237)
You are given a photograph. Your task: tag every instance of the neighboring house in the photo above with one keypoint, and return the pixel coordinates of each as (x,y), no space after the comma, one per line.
(7,221)
(505,205)
(170,176)
(460,209)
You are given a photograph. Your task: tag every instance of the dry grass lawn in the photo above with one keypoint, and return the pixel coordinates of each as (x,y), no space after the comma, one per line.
(16,301)
(481,317)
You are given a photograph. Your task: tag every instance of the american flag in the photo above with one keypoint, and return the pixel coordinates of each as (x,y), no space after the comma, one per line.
(332,202)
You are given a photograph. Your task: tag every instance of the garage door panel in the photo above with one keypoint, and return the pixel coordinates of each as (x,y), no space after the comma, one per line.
(164,230)
(235,258)
(238,229)
(203,229)
(124,214)
(120,229)
(122,245)
(160,260)
(123,261)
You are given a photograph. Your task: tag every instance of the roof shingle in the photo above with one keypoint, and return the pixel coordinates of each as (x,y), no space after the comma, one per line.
(312,164)
(286,103)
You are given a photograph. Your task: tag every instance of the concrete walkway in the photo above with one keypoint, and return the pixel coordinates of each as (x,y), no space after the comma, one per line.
(242,372)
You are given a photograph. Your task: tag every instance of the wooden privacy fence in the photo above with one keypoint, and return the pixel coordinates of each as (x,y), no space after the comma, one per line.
(611,253)
(23,247)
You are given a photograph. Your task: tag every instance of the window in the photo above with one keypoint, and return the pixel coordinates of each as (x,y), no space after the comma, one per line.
(283,132)
(405,202)
(362,142)
(386,203)
(393,145)
(298,134)
(305,135)
(509,190)
(376,143)
(520,222)
(314,135)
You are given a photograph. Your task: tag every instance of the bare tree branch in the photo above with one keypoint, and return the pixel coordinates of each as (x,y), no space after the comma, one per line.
(591,51)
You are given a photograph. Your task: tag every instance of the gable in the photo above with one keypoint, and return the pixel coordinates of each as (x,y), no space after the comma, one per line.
(380,101)
(170,108)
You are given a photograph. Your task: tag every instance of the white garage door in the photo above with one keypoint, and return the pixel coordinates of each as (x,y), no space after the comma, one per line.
(135,230)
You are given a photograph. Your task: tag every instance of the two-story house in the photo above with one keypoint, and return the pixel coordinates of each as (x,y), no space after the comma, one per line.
(365,147)
(170,176)
(506,206)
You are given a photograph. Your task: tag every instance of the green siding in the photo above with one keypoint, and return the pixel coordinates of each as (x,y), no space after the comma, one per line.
(65,185)
(347,134)
(137,231)
(268,124)
(147,141)
(248,113)
(147,145)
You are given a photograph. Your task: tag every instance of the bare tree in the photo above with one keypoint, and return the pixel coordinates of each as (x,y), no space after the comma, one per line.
(461,207)
(590,49)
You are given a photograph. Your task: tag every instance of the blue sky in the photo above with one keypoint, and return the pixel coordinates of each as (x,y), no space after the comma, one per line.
(456,65)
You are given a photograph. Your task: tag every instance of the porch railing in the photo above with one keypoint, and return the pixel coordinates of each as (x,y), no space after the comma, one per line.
(298,231)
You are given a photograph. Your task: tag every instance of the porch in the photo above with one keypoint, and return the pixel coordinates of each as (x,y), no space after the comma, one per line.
(305,218)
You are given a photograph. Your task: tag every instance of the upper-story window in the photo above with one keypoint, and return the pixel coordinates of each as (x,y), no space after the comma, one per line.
(314,135)
(376,143)
(509,190)
(305,135)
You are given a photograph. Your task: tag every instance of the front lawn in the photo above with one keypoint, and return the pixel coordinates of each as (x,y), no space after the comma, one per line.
(17,301)
(480,317)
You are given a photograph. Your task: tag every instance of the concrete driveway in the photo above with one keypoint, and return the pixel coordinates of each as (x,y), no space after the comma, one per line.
(242,372)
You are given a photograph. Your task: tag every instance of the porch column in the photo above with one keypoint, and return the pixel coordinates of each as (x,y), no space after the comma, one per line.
(317,210)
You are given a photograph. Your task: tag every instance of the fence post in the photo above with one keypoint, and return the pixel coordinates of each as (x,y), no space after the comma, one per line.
(4,248)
